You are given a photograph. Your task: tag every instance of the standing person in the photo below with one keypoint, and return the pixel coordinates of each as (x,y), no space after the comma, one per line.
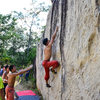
(20,77)
(11,80)
(1,89)
(5,77)
(47,55)
(2,70)
(27,75)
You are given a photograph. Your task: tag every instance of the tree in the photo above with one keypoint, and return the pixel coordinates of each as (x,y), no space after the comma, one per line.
(11,38)
(7,27)
(19,35)
(30,21)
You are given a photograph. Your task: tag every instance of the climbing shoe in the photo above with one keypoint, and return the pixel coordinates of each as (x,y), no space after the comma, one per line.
(53,71)
(47,85)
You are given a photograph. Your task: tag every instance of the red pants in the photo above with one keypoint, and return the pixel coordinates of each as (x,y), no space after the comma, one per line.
(9,93)
(47,64)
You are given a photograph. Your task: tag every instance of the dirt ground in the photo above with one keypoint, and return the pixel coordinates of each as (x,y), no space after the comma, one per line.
(23,86)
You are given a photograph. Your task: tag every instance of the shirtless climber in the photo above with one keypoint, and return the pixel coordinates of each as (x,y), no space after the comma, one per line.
(11,80)
(47,55)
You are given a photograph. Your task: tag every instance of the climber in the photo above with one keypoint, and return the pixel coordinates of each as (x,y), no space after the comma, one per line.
(11,80)
(47,55)
(27,75)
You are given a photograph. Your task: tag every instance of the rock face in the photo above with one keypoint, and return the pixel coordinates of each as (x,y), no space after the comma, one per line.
(76,47)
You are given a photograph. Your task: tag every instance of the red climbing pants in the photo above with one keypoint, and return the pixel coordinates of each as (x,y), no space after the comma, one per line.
(47,64)
(9,93)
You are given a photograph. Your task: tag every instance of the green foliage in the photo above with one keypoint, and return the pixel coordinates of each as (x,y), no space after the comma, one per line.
(32,79)
(12,40)
(18,41)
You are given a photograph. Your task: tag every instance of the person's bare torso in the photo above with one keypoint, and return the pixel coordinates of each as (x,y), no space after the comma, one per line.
(47,53)
(11,80)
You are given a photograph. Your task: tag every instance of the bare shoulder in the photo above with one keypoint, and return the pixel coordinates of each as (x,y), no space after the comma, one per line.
(49,45)
(11,74)
(47,48)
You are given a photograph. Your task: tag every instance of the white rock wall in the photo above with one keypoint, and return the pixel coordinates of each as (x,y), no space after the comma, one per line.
(76,47)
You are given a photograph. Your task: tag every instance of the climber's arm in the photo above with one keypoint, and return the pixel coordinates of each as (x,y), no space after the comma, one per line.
(53,36)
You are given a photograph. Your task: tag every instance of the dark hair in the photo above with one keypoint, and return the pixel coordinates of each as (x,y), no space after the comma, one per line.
(6,66)
(45,40)
(11,67)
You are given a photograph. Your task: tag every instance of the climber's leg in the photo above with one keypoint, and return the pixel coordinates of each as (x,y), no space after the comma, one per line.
(47,64)
(54,64)
(47,85)
(44,63)
(47,77)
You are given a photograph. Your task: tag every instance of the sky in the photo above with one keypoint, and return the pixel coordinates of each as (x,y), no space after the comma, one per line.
(6,6)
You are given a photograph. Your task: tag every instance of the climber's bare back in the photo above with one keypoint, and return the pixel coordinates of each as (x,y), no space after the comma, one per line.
(47,52)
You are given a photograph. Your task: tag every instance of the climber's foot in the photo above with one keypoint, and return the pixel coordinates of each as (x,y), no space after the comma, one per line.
(53,71)
(47,85)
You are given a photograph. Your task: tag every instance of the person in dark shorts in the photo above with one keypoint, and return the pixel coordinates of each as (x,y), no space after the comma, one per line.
(5,77)
(27,75)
